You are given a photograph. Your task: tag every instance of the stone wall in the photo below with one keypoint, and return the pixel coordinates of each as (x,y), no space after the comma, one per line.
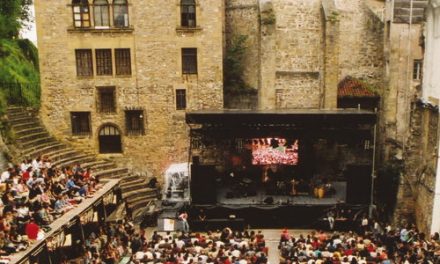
(155,45)
(361,42)
(301,49)
(299,53)
(417,186)
(242,18)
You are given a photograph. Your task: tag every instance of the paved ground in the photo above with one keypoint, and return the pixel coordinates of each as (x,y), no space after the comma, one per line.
(272,237)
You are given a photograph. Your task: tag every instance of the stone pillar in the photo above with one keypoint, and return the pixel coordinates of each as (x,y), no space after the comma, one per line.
(331,54)
(266,97)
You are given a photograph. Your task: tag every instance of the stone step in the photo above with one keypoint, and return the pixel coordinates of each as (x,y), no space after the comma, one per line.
(15,109)
(36,151)
(130,178)
(139,208)
(112,173)
(38,142)
(133,185)
(15,115)
(30,130)
(21,120)
(140,193)
(98,165)
(139,205)
(80,158)
(58,154)
(67,158)
(32,136)
(22,126)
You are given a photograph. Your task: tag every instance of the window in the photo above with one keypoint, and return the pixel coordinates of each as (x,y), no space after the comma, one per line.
(120,13)
(189,61)
(81,15)
(104,62)
(80,123)
(101,14)
(84,62)
(180,99)
(417,70)
(134,122)
(110,139)
(123,61)
(188,13)
(106,100)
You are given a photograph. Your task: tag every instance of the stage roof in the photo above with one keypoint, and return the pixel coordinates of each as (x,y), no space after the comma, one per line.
(291,117)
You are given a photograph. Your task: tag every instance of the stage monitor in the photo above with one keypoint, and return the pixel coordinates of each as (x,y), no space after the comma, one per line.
(273,150)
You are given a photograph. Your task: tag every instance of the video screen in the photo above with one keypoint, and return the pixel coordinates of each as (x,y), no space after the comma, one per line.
(272,150)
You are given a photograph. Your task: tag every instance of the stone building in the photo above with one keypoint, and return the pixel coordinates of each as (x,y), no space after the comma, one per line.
(118,75)
(116,71)
(420,182)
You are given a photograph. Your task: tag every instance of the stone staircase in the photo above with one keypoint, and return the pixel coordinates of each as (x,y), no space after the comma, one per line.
(32,140)
(402,11)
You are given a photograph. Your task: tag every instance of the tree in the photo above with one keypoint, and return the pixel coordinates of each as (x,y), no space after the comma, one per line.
(14,14)
(233,65)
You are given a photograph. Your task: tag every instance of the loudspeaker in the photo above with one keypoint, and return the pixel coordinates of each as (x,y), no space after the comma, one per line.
(203,186)
(358,184)
(196,160)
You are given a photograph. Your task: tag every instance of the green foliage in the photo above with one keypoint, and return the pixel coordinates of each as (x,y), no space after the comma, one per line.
(333,17)
(14,14)
(233,66)
(19,77)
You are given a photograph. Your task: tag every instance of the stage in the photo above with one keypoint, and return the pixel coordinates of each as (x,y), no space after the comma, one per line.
(261,196)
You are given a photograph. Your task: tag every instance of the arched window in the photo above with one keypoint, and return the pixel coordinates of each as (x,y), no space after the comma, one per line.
(109,139)
(120,13)
(188,13)
(101,13)
(81,13)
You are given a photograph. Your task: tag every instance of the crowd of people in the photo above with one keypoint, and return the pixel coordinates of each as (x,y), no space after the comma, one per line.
(34,194)
(117,242)
(375,245)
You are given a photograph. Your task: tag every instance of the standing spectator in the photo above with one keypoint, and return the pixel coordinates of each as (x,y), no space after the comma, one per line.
(184,219)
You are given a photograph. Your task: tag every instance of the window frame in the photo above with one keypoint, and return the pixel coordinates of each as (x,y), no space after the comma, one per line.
(189,61)
(186,16)
(130,116)
(417,69)
(76,122)
(81,65)
(81,5)
(126,23)
(181,101)
(101,12)
(104,62)
(102,106)
(123,62)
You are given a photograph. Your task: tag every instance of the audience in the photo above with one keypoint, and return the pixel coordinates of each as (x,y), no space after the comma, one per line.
(393,246)
(33,195)
(115,242)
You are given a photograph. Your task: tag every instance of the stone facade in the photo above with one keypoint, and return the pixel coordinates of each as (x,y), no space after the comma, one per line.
(155,44)
(297,52)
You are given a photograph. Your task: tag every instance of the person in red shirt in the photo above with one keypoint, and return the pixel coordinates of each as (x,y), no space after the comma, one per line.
(32,230)
(27,174)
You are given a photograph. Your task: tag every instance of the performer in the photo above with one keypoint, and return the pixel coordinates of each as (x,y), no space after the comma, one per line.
(293,191)
(183,217)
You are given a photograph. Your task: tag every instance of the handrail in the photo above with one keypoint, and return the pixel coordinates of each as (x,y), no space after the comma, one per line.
(66,219)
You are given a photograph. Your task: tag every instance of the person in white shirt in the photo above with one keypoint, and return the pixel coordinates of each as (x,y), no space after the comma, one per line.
(5,175)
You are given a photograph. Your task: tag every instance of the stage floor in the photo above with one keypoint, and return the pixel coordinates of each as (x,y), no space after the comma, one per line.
(338,197)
